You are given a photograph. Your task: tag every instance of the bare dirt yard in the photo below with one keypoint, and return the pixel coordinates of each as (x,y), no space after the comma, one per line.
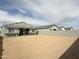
(36,46)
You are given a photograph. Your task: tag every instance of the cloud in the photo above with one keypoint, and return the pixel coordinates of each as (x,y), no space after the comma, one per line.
(6,17)
(65,12)
(22,11)
(56,11)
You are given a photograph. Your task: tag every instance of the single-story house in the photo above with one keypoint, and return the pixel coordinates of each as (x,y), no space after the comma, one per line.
(19,28)
(52,28)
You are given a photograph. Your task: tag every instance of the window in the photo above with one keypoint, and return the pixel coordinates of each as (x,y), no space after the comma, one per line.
(37,32)
(0,31)
(1,27)
(54,29)
(50,29)
(33,30)
(11,30)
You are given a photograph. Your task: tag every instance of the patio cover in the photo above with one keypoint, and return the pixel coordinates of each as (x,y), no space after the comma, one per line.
(19,25)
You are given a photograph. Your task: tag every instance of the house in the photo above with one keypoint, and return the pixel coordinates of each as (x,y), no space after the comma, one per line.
(51,28)
(48,28)
(19,28)
(69,28)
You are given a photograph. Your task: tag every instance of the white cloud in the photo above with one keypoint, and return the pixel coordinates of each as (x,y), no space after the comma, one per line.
(56,11)
(22,11)
(5,17)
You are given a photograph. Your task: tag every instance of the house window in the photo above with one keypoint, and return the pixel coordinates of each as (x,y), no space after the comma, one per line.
(33,31)
(0,31)
(1,27)
(54,29)
(37,32)
(50,29)
(11,30)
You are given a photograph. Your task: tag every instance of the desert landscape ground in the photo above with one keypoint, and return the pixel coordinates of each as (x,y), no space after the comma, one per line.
(36,46)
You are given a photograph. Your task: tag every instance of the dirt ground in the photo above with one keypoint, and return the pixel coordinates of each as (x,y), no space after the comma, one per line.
(36,47)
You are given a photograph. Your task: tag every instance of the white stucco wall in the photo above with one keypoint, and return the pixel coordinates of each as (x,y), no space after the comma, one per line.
(54,27)
(12,31)
(74,33)
(2,30)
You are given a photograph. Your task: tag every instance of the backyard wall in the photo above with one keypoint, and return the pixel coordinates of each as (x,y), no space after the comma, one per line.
(74,33)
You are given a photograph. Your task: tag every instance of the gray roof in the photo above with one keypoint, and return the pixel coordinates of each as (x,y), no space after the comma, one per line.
(68,28)
(19,25)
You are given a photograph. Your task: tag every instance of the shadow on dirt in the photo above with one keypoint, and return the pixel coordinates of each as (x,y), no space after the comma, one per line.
(72,52)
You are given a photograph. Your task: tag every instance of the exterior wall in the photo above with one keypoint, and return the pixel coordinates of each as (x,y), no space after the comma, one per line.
(12,30)
(62,28)
(9,31)
(60,33)
(2,31)
(54,27)
(32,31)
(43,30)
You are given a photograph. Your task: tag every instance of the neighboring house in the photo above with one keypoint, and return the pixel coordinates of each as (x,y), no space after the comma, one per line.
(66,28)
(51,28)
(69,28)
(19,28)
(48,28)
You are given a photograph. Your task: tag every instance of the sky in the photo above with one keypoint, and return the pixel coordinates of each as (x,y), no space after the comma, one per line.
(41,12)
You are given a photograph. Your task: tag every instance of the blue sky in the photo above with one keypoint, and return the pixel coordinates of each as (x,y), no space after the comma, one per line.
(41,12)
